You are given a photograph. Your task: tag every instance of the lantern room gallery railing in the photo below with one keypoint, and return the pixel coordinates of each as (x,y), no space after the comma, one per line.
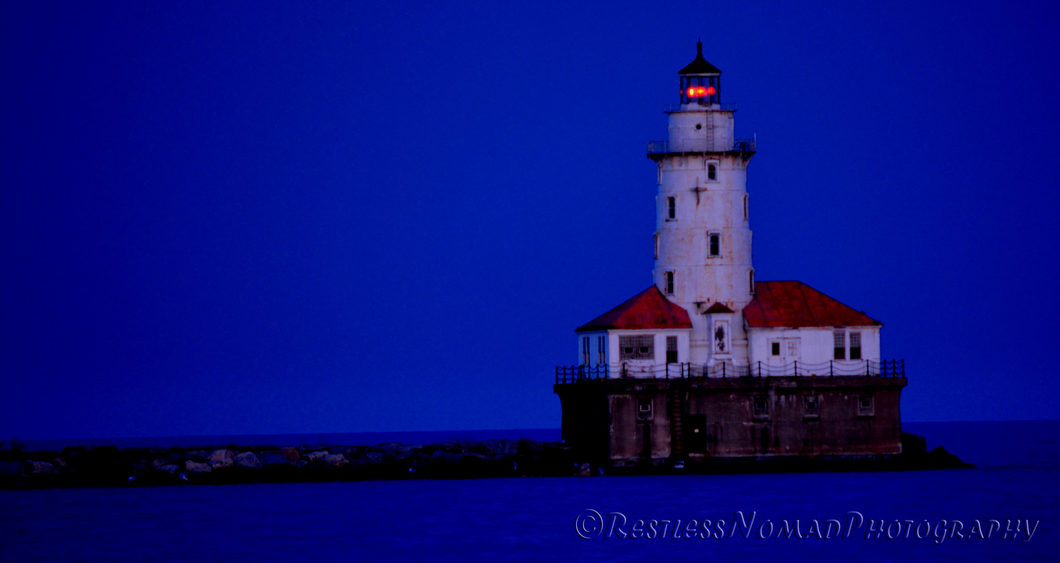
(700,145)
(832,368)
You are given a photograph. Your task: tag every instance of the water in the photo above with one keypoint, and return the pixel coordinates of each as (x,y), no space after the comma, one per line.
(534,519)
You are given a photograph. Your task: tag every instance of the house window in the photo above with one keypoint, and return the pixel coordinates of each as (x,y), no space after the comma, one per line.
(712,172)
(669,283)
(671,349)
(775,348)
(839,338)
(812,406)
(855,345)
(746,214)
(715,244)
(601,349)
(671,208)
(761,406)
(865,405)
(585,350)
(640,347)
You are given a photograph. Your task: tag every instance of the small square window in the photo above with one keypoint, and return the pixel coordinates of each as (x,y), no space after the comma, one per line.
(644,410)
(637,347)
(776,348)
(761,406)
(812,405)
(865,405)
(671,208)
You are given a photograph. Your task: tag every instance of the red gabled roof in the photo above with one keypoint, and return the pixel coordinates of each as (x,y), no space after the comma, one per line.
(795,304)
(647,309)
(719,307)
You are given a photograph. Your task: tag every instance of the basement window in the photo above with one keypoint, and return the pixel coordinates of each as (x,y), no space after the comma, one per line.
(865,405)
(639,347)
(644,410)
(839,339)
(855,345)
(761,406)
(669,283)
(812,406)
(671,208)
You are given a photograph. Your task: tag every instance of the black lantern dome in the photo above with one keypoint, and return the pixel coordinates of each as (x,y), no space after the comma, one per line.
(700,81)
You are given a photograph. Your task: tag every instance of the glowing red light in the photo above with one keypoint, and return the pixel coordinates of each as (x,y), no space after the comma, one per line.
(700,91)
(710,91)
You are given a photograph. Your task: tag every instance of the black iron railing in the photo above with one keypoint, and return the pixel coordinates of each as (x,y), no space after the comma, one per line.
(723,370)
(699,145)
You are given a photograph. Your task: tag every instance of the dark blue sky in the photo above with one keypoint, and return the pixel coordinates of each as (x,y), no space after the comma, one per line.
(265,218)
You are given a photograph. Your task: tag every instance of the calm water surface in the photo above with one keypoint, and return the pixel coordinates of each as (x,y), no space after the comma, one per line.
(534,519)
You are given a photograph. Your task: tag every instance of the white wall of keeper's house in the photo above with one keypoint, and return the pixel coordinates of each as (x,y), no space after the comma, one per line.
(816,344)
(614,352)
(704,206)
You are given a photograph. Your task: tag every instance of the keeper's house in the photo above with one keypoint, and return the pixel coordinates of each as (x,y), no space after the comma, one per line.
(707,363)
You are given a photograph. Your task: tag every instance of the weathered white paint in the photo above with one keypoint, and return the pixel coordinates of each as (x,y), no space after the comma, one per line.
(815,346)
(637,368)
(705,206)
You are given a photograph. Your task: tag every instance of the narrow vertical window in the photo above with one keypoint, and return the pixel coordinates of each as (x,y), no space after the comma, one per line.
(671,208)
(712,172)
(585,350)
(715,244)
(839,339)
(746,214)
(751,280)
(656,246)
(855,345)
(669,283)
(601,349)
(671,349)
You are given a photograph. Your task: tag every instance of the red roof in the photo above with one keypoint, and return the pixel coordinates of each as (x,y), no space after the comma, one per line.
(647,309)
(719,307)
(795,304)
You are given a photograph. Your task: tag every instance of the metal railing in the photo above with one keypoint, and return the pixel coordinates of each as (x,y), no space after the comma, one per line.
(724,370)
(699,146)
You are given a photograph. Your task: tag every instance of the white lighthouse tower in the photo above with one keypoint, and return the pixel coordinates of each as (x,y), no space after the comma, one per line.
(703,234)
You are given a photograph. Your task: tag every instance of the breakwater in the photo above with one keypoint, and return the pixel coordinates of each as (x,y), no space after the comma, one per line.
(109,466)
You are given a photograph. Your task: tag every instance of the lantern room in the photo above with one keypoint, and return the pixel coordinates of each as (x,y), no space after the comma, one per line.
(700,81)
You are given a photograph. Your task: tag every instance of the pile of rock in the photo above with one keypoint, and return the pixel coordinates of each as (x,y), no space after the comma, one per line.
(110,466)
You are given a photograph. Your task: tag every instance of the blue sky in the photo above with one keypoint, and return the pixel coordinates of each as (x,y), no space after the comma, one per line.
(266,218)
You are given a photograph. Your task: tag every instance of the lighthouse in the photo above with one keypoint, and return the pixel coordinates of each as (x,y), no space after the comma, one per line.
(706,364)
(703,233)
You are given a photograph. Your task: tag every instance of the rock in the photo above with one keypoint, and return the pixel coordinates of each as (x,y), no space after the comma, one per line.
(196,454)
(247,460)
(220,455)
(315,456)
(196,468)
(939,458)
(442,456)
(375,457)
(584,470)
(291,453)
(275,459)
(12,469)
(913,445)
(393,449)
(60,463)
(336,460)
(169,468)
(222,463)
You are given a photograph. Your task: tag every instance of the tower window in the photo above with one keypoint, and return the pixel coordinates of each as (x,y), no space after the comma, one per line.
(715,244)
(751,280)
(855,345)
(641,347)
(601,349)
(712,172)
(839,339)
(746,215)
(671,349)
(656,246)
(669,283)
(671,208)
